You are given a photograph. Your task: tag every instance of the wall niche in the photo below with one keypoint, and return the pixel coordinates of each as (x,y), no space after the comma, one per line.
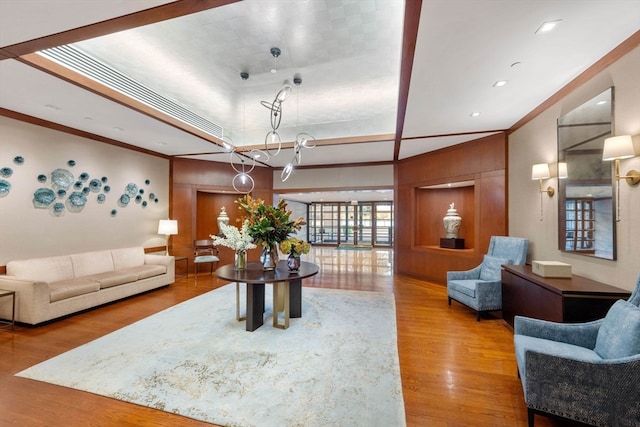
(432,203)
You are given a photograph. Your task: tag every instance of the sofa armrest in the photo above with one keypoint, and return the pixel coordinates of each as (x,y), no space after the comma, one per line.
(29,295)
(600,392)
(165,260)
(580,334)
(474,273)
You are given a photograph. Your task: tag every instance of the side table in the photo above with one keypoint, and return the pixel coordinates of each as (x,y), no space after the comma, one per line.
(186,261)
(12,294)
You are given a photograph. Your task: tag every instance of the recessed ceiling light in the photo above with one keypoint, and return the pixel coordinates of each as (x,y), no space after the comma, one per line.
(548,26)
(53,107)
(475,114)
(118,129)
(161,143)
(601,102)
(500,83)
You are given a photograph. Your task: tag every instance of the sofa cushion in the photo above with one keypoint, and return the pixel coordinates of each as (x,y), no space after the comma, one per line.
(52,269)
(114,278)
(491,267)
(88,263)
(127,258)
(619,334)
(147,270)
(71,288)
(466,287)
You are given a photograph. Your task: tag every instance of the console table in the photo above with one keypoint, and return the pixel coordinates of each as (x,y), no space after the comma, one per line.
(571,300)
(255,277)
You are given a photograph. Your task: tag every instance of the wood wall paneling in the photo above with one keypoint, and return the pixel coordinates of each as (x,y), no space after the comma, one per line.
(199,191)
(419,212)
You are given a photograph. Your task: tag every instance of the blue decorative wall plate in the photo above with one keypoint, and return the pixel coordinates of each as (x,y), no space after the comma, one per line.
(5,187)
(43,197)
(95,185)
(61,179)
(58,209)
(76,201)
(18,160)
(6,172)
(131,189)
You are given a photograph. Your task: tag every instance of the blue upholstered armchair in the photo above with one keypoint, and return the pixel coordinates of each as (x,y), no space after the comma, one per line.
(589,372)
(481,288)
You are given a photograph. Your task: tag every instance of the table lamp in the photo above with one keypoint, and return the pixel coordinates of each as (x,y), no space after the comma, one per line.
(168,227)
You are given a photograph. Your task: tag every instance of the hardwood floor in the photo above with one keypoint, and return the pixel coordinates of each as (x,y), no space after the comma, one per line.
(455,371)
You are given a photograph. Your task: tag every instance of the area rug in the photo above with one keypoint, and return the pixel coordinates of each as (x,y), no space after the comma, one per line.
(335,366)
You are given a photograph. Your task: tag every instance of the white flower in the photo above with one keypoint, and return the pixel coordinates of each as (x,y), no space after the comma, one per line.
(238,240)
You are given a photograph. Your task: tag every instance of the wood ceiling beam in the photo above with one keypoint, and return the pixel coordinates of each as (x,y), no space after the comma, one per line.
(409,39)
(121,23)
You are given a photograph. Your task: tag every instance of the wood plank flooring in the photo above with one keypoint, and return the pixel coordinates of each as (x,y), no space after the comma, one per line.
(455,371)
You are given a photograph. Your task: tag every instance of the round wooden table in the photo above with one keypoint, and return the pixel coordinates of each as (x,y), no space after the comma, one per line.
(287,290)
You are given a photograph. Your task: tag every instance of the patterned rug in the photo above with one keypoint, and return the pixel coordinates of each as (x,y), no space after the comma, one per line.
(335,366)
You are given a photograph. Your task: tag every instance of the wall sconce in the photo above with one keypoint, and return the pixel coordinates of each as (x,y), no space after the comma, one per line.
(540,172)
(168,227)
(617,148)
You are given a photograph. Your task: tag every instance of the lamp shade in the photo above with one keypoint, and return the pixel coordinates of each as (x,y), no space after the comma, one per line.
(562,170)
(540,171)
(618,147)
(168,227)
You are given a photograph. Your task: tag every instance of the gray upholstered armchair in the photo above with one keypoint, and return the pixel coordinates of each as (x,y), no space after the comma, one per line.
(481,288)
(589,372)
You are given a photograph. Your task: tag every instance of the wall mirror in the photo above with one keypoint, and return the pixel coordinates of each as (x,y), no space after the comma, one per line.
(586,210)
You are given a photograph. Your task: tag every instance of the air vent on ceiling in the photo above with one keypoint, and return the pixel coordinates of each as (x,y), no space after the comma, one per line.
(80,62)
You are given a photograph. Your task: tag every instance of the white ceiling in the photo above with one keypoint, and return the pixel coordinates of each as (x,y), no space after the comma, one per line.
(348,54)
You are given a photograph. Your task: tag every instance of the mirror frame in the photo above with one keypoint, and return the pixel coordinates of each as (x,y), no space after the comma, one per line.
(581,133)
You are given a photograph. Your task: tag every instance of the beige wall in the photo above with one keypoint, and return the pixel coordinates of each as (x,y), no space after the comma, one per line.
(27,232)
(536,142)
(338,178)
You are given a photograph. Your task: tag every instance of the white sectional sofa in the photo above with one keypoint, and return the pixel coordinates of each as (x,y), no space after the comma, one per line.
(48,288)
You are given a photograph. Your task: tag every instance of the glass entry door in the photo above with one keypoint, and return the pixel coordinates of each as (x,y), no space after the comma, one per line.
(365,223)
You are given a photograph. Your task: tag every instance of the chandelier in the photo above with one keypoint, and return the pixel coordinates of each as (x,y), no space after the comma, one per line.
(244,164)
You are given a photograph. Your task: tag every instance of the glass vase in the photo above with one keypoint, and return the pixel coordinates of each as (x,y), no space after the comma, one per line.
(293,262)
(241,260)
(269,256)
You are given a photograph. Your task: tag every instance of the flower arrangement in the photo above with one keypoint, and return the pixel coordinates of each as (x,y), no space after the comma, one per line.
(268,225)
(238,240)
(295,246)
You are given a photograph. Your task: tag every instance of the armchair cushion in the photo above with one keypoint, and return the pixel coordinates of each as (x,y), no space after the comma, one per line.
(491,267)
(466,287)
(619,335)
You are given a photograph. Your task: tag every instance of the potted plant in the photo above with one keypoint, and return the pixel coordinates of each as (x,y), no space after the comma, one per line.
(268,225)
(294,247)
(238,240)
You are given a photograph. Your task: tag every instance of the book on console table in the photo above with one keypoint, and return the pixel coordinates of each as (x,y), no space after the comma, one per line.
(551,269)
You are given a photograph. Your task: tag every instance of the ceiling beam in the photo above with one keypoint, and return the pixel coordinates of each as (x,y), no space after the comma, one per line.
(409,37)
(121,23)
